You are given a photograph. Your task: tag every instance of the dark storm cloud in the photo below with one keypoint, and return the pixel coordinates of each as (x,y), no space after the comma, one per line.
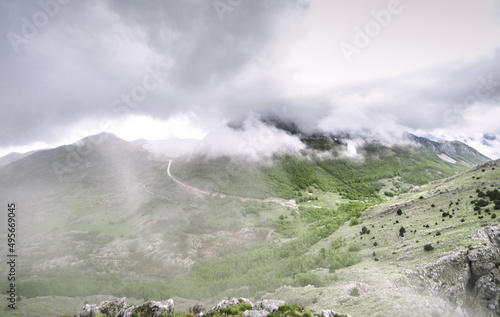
(87,58)
(63,61)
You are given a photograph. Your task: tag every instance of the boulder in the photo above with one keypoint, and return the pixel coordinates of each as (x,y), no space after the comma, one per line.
(156,308)
(108,308)
(269,305)
(330,313)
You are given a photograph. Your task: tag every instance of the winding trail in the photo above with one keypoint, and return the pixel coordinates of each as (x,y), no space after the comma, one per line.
(154,194)
(278,201)
(186,186)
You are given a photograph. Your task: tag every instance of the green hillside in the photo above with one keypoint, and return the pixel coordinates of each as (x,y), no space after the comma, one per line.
(117,224)
(285,176)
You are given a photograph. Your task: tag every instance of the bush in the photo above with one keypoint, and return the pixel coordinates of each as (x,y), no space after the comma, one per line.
(389,194)
(428,247)
(402,231)
(309,279)
(337,244)
(482,203)
(364,230)
(493,216)
(354,221)
(399,212)
(354,247)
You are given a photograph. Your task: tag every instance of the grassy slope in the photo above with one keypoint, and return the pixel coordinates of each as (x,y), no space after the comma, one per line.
(125,222)
(353,179)
(383,285)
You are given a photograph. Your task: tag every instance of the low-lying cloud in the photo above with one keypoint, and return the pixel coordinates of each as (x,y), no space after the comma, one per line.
(253,140)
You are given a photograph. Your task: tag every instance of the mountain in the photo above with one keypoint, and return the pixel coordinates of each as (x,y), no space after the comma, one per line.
(105,216)
(455,150)
(14,156)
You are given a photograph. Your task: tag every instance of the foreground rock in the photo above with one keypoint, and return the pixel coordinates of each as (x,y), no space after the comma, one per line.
(234,307)
(469,279)
(108,308)
(119,309)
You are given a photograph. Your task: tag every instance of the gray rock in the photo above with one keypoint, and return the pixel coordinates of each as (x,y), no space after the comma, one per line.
(106,308)
(468,278)
(232,301)
(330,313)
(269,305)
(255,313)
(157,308)
(126,312)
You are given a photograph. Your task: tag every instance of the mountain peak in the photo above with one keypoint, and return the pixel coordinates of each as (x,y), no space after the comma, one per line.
(456,150)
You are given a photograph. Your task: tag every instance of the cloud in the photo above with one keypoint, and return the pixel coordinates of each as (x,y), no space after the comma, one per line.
(253,140)
(91,53)
(96,62)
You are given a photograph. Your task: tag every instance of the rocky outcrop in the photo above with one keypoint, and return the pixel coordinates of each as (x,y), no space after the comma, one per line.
(119,308)
(456,150)
(468,278)
(269,305)
(156,309)
(108,308)
(151,308)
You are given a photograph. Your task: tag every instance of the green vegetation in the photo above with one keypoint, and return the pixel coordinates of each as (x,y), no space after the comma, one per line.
(289,174)
(428,247)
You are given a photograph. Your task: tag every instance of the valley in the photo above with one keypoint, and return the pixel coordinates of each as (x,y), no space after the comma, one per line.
(315,229)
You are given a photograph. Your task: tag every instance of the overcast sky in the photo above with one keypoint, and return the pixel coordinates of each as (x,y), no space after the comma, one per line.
(160,69)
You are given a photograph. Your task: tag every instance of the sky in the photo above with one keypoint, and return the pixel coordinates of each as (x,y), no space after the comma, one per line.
(193,69)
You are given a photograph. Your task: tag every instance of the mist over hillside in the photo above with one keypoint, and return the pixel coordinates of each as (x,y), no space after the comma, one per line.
(330,155)
(113,218)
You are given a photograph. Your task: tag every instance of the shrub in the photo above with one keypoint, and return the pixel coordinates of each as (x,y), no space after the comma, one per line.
(493,216)
(421,197)
(428,247)
(389,194)
(309,279)
(354,247)
(364,230)
(402,231)
(399,212)
(354,221)
(482,203)
(337,244)
(433,205)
